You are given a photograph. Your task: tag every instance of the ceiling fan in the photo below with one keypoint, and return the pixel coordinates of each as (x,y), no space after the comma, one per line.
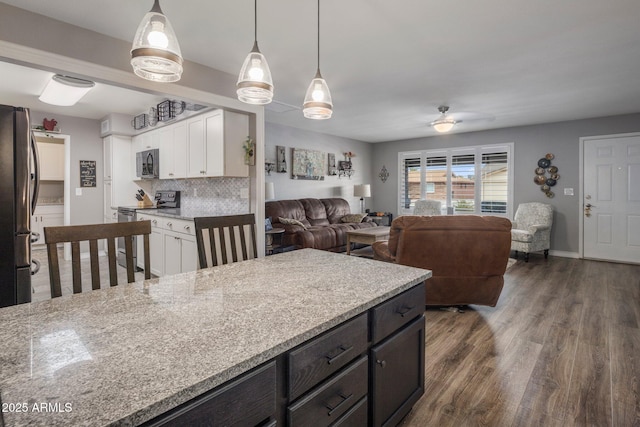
(447,121)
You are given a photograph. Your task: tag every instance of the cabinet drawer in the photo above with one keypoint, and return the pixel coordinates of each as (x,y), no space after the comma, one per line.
(356,416)
(155,220)
(248,401)
(178,225)
(326,404)
(325,355)
(395,313)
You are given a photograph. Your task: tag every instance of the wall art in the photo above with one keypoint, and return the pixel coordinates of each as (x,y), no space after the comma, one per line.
(307,164)
(281,159)
(333,170)
(542,179)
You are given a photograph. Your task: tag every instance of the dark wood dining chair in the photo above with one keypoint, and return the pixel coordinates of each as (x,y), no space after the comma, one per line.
(225,239)
(75,234)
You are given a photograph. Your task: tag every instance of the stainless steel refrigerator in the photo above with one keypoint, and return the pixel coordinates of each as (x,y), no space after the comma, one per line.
(19,181)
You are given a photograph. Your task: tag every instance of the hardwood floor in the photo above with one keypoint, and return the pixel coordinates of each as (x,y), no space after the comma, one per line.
(561,348)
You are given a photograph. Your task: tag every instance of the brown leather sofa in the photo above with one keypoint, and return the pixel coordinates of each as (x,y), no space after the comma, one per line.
(467,255)
(321,219)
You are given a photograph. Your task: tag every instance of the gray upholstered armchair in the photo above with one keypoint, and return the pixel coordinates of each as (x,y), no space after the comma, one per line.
(531,229)
(427,207)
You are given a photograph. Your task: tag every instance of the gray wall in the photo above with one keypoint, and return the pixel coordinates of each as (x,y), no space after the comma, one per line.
(332,186)
(530,144)
(86,144)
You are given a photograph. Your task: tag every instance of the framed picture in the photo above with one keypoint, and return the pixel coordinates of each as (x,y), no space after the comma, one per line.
(331,157)
(281,160)
(267,224)
(308,164)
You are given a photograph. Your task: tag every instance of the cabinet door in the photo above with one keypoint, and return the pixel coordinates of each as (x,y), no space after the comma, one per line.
(107,198)
(214,143)
(156,252)
(166,153)
(107,158)
(397,372)
(196,162)
(51,161)
(179,150)
(172,253)
(122,187)
(188,254)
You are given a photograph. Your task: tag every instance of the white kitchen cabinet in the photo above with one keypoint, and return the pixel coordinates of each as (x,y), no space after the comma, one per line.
(172,245)
(119,187)
(51,156)
(173,151)
(215,142)
(46,216)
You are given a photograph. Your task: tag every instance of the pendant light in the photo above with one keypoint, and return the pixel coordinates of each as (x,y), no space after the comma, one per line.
(317,101)
(155,54)
(444,123)
(254,82)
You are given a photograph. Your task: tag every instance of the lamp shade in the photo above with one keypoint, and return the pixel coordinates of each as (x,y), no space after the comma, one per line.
(317,101)
(155,54)
(443,125)
(269,191)
(255,85)
(362,190)
(64,90)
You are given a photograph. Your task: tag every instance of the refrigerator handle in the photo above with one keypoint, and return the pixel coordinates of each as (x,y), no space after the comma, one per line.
(36,172)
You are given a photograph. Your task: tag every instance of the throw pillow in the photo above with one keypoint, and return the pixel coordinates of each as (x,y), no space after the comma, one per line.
(291,221)
(353,217)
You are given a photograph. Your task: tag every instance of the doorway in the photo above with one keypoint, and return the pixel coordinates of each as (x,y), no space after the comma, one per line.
(610,217)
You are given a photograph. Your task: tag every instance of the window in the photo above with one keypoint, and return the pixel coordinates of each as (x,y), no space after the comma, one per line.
(471,180)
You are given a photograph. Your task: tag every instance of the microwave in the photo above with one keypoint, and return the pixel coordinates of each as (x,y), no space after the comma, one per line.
(148,164)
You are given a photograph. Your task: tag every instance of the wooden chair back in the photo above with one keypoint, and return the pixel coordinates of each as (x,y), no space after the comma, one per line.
(75,234)
(225,239)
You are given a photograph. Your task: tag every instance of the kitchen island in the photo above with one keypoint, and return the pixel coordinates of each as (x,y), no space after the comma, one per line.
(127,354)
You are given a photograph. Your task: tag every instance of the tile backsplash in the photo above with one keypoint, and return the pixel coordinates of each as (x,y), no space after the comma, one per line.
(219,196)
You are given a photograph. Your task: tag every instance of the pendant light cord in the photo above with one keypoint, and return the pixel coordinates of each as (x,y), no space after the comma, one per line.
(255,21)
(318,35)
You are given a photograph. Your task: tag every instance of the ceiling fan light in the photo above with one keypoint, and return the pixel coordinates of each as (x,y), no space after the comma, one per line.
(317,101)
(65,91)
(155,54)
(255,85)
(443,125)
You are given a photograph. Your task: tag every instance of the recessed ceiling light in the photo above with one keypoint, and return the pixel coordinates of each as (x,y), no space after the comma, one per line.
(64,90)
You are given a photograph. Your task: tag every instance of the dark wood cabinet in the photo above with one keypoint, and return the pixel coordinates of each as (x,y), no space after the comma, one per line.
(397,374)
(247,401)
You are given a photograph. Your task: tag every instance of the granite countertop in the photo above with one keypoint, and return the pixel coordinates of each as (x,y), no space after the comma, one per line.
(125,354)
(180,213)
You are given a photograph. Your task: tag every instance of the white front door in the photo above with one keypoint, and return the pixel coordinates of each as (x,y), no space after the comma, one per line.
(611,205)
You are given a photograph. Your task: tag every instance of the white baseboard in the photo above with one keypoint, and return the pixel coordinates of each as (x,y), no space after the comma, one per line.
(564,254)
(85,255)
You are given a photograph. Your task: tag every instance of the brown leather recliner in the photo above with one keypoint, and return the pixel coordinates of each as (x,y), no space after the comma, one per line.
(467,255)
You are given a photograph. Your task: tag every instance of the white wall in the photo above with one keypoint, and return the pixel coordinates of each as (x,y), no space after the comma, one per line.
(530,144)
(331,186)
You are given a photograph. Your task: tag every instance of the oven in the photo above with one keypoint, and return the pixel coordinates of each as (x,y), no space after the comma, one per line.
(126,214)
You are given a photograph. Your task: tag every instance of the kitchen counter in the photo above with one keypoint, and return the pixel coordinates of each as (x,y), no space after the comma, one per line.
(123,355)
(181,213)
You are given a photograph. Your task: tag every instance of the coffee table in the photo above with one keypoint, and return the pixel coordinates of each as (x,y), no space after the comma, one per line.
(366,236)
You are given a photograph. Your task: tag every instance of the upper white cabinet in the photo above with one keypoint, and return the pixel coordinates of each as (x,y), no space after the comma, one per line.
(215,142)
(173,149)
(51,156)
(118,180)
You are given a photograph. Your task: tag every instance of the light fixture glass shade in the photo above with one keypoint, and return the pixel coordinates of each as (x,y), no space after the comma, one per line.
(317,101)
(64,90)
(443,125)
(155,54)
(362,190)
(269,191)
(255,85)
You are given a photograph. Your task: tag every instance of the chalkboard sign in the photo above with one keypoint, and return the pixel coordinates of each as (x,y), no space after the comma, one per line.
(87,173)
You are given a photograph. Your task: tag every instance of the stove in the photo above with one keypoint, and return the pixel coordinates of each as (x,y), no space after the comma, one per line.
(163,199)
